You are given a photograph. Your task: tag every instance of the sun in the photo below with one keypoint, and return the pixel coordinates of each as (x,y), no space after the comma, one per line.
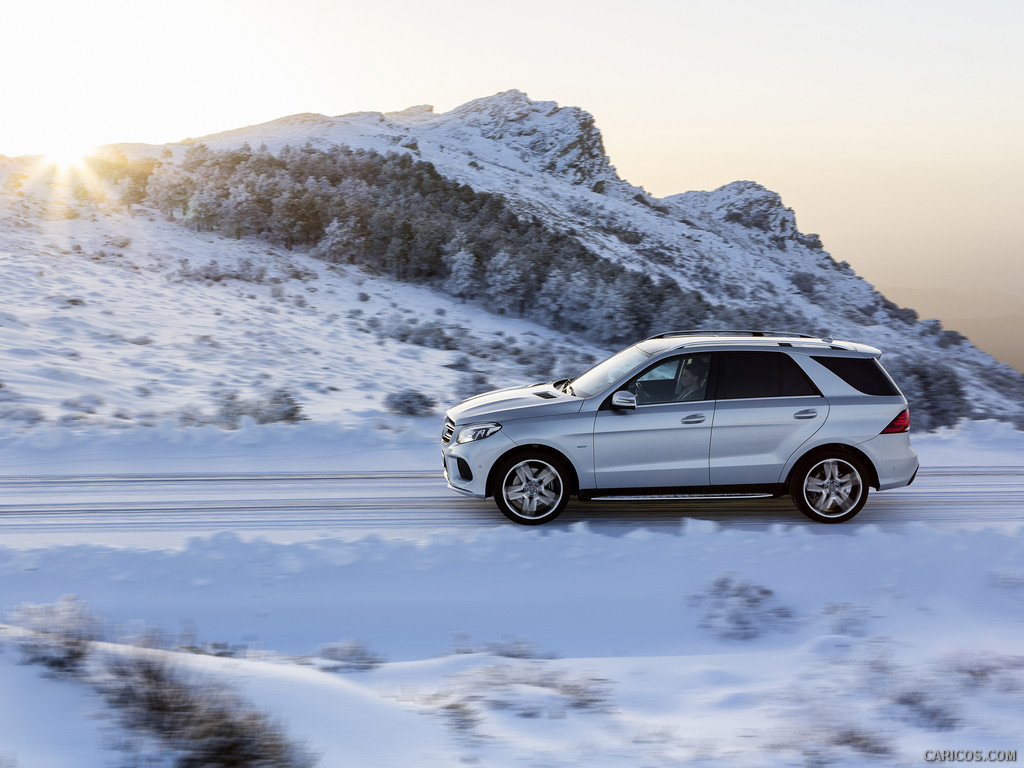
(68,156)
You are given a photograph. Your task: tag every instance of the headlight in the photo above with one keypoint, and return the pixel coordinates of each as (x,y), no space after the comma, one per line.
(471,432)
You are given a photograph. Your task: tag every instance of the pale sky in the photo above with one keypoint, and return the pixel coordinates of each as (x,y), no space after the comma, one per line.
(894,128)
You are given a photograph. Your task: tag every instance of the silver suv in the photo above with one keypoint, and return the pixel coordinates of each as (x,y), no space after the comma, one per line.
(691,413)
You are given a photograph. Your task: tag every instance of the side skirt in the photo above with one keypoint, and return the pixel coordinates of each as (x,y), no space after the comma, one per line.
(683,493)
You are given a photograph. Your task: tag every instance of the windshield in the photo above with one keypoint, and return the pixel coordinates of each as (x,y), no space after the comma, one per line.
(608,371)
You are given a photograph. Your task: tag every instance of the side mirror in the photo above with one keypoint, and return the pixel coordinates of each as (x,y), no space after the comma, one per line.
(624,399)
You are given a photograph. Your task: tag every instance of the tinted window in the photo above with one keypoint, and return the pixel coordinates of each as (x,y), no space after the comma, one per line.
(863,374)
(761,374)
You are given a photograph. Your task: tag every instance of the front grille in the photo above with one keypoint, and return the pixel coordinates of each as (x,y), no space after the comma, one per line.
(447,432)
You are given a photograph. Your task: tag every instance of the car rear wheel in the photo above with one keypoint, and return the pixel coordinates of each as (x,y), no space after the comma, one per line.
(531,489)
(829,488)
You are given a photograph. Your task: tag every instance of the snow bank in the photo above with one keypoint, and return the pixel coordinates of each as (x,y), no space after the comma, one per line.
(715,647)
(408,444)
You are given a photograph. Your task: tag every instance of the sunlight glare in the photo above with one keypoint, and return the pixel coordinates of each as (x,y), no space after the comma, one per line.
(68,156)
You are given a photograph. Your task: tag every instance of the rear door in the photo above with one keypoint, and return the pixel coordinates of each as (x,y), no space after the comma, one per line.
(766,409)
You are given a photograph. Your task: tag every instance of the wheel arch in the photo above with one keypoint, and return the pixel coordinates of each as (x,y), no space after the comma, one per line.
(834,448)
(534,449)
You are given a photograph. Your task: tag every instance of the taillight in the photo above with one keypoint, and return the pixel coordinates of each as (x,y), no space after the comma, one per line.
(900,424)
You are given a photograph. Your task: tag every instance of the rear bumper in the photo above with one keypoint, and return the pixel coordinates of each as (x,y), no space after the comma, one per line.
(894,458)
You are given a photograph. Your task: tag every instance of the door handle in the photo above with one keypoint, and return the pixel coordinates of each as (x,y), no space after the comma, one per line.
(809,413)
(693,418)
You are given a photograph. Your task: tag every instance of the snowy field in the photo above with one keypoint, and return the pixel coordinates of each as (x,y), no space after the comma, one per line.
(512,646)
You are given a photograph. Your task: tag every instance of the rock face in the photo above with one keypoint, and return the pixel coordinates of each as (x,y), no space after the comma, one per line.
(561,141)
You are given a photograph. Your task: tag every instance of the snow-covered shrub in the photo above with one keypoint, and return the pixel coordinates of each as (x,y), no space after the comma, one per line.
(539,363)
(523,689)
(847,619)
(84,404)
(202,721)
(245,271)
(461,715)
(734,609)
(431,334)
(276,406)
(410,402)
(832,742)
(933,389)
(58,635)
(21,414)
(804,282)
(926,707)
(473,383)
(517,648)
(514,686)
(461,363)
(977,669)
(351,656)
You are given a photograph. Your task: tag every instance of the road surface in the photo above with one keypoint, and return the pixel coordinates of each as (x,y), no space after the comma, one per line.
(166,510)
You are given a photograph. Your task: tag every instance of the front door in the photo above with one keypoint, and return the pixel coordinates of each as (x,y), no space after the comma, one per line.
(665,441)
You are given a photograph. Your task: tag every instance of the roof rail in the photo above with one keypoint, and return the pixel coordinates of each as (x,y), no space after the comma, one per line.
(730,332)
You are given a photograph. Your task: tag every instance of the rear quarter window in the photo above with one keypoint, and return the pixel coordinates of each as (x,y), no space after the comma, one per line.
(863,374)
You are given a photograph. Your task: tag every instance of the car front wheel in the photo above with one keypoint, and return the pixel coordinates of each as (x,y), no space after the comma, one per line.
(531,490)
(829,488)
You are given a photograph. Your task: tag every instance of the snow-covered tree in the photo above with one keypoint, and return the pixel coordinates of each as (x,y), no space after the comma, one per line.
(464,274)
(508,283)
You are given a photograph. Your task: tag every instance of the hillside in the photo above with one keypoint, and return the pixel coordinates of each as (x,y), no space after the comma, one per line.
(315,274)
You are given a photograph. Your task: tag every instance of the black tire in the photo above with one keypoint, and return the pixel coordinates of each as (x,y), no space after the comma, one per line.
(829,487)
(531,489)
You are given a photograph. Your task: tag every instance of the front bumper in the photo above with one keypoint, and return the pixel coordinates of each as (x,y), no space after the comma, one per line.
(468,465)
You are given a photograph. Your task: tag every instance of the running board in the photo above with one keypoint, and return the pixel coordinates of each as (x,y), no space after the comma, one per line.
(684,497)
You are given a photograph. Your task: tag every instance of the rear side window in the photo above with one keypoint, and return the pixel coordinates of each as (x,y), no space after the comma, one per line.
(863,374)
(761,374)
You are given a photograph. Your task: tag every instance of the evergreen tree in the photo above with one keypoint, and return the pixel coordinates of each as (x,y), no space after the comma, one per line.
(463,275)
(507,283)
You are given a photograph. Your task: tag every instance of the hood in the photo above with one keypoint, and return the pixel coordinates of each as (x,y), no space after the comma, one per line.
(514,403)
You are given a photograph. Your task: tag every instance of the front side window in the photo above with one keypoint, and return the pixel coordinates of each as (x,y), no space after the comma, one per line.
(761,374)
(608,371)
(676,380)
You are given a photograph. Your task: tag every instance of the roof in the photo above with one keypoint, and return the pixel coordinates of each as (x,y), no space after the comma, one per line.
(749,339)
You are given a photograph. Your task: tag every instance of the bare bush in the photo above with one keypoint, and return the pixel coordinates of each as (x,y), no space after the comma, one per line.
(205,723)
(529,690)
(213,272)
(473,383)
(351,656)
(431,334)
(847,619)
(58,635)
(926,707)
(276,406)
(518,648)
(734,609)
(410,402)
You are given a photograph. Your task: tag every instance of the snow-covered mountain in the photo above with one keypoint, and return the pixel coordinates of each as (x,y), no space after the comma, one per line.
(207,305)
(738,246)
